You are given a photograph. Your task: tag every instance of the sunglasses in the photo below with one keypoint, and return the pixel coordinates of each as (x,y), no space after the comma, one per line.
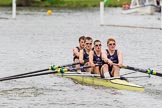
(98,45)
(89,43)
(112,44)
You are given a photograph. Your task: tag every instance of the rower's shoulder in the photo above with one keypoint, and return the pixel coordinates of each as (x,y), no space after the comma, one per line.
(76,48)
(81,50)
(91,52)
(118,51)
(103,51)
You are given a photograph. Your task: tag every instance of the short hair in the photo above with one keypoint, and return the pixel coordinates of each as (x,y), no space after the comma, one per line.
(96,41)
(87,38)
(110,39)
(81,38)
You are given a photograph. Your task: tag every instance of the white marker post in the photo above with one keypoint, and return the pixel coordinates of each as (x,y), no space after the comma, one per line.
(161,14)
(101,13)
(13,9)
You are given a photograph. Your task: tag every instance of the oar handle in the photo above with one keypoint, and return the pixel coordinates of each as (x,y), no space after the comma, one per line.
(75,63)
(83,67)
(75,69)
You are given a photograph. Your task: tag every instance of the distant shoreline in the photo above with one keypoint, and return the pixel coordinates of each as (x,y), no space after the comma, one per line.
(65,3)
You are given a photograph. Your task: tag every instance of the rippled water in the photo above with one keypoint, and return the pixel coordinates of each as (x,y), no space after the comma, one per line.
(35,40)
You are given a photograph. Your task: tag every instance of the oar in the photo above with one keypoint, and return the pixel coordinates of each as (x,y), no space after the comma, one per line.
(60,70)
(148,71)
(53,67)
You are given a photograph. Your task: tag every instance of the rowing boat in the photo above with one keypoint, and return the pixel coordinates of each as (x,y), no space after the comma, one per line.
(146,9)
(87,78)
(90,79)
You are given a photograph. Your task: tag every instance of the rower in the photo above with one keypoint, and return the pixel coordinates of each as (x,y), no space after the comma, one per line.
(95,57)
(113,57)
(84,53)
(77,49)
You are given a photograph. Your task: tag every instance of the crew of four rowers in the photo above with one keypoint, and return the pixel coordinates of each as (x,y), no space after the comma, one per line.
(110,59)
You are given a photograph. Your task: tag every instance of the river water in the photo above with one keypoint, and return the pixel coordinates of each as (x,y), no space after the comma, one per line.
(35,40)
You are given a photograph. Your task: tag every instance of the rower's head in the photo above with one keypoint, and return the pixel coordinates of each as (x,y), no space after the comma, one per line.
(97,45)
(81,41)
(88,42)
(111,43)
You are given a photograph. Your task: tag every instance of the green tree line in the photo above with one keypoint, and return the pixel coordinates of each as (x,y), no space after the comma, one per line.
(63,3)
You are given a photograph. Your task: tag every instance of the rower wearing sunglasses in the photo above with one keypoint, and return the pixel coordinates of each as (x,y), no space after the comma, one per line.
(113,58)
(84,53)
(95,57)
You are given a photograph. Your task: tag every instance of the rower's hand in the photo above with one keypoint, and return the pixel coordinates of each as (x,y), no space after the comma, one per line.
(79,71)
(120,65)
(110,62)
(93,65)
(81,61)
(85,61)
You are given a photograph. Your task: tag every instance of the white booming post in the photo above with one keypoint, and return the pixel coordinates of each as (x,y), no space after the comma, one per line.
(134,3)
(101,13)
(161,15)
(155,3)
(14,9)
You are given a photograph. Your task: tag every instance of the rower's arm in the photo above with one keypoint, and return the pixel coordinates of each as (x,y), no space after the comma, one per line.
(81,57)
(104,57)
(91,53)
(75,52)
(120,58)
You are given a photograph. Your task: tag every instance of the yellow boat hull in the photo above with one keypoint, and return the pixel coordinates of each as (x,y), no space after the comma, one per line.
(109,83)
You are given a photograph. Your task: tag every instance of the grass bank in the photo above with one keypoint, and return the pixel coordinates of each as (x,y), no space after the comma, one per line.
(5,2)
(67,3)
